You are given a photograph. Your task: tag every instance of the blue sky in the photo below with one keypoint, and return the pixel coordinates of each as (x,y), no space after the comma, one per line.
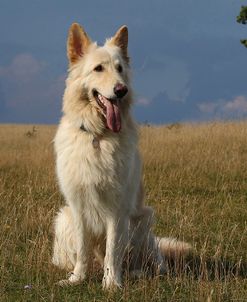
(188,63)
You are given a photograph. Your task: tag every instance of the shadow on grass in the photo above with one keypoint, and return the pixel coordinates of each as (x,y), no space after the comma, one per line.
(210,269)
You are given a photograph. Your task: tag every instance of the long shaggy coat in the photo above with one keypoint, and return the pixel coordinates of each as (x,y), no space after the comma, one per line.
(99,169)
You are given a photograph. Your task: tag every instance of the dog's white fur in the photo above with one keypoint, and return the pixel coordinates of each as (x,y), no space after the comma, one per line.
(105,215)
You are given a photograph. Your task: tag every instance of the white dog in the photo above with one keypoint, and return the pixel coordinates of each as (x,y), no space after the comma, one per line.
(99,169)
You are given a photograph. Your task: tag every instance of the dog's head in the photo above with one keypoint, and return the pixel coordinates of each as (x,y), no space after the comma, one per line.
(98,76)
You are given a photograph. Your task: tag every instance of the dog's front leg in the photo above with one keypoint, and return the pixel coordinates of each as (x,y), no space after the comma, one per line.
(116,246)
(81,246)
(82,243)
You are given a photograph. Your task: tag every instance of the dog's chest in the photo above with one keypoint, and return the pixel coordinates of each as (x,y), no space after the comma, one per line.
(103,164)
(98,178)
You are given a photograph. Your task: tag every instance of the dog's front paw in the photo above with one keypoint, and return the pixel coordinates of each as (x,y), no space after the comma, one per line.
(111,283)
(72,280)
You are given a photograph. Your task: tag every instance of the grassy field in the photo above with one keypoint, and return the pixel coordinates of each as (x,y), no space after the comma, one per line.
(195,178)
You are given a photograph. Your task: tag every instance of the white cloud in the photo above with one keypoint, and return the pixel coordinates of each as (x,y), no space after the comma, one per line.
(22,68)
(143,101)
(207,107)
(28,92)
(235,108)
(239,104)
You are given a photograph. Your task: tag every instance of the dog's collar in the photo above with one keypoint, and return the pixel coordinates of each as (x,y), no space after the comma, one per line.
(95,140)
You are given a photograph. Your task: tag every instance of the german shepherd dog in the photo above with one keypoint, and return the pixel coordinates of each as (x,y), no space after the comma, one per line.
(99,169)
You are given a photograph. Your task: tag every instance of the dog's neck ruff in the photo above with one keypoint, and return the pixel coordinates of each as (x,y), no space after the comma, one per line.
(95,140)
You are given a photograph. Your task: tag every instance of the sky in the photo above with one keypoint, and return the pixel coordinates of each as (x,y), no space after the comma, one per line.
(187,61)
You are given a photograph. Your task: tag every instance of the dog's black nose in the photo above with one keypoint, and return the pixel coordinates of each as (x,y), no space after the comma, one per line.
(120,90)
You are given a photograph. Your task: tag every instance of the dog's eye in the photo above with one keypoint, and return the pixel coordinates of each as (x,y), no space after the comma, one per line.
(119,68)
(98,68)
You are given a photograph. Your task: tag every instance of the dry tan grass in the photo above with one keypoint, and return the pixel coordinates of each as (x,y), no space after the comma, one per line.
(195,178)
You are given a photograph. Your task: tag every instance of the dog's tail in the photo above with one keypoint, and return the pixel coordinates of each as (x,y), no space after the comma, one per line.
(173,249)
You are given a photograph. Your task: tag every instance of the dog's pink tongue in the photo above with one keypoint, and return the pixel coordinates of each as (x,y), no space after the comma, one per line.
(113,117)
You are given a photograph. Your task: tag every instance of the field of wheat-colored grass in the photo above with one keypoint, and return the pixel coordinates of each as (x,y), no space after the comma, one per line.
(195,178)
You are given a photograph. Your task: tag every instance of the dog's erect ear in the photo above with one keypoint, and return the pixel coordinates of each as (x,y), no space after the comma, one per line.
(77,44)
(121,40)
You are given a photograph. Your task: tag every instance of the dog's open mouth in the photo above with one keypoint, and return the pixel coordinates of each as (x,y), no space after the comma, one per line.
(111,111)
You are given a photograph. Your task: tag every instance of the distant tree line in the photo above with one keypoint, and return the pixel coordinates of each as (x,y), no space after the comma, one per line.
(242,18)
